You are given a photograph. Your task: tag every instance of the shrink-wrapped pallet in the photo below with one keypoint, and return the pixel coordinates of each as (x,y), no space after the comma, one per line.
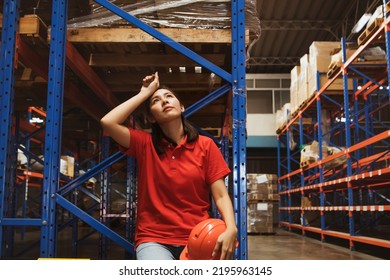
(311,153)
(282,115)
(260,217)
(294,88)
(320,59)
(262,187)
(67,166)
(303,80)
(207,14)
(325,57)
(279,121)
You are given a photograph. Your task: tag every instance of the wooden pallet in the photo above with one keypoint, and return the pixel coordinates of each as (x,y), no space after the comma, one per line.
(306,163)
(370,30)
(333,68)
(367,67)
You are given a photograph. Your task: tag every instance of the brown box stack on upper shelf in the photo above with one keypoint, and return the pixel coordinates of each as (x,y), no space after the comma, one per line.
(320,58)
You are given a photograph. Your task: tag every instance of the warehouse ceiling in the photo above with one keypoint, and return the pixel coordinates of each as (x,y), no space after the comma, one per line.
(288,27)
(105,65)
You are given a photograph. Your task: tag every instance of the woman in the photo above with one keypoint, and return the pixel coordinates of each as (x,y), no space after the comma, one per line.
(177,170)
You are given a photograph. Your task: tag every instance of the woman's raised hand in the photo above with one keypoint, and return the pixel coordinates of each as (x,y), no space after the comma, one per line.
(150,83)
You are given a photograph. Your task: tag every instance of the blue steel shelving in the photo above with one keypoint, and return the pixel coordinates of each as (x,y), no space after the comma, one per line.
(55,194)
(348,191)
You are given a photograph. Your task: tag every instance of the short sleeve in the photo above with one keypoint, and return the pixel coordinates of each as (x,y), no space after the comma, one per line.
(138,140)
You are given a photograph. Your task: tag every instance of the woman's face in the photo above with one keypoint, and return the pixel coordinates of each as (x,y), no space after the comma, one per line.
(164,106)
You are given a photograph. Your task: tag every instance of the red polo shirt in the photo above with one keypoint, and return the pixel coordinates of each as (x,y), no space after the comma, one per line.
(173,188)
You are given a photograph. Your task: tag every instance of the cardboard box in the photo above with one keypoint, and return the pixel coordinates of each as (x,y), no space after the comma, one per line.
(260,217)
(303,80)
(320,55)
(261,178)
(310,154)
(294,89)
(306,202)
(337,85)
(67,166)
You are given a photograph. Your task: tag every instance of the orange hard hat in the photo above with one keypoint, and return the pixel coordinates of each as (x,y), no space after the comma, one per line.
(202,240)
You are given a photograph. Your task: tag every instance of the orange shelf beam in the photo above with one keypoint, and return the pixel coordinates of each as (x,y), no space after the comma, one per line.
(363,208)
(362,239)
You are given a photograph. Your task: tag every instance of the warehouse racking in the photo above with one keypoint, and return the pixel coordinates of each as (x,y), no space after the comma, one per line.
(61,193)
(342,196)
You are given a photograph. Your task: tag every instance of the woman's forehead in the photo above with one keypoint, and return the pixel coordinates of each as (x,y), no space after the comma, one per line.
(161,92)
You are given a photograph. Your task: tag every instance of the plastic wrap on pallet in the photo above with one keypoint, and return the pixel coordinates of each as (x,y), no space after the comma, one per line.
(310,154)
(260,217)
(320,58)
(22,159)
(294,88)
(197,14)
(261,187)
(320,54)
(373,54)
(337,57)
(283,115)
(303,80)
(279,119)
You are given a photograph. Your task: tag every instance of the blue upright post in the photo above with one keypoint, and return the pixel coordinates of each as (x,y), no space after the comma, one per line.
(387,35)
(289,186)
(52,153)
(348,143)
(321,167)
(302,176)
(239,124)
(7,93)
(301,133)
(131,193)
(104,197)
(279,157)
(356,121)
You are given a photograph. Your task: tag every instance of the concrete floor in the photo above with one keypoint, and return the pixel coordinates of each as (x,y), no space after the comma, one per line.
(284,245)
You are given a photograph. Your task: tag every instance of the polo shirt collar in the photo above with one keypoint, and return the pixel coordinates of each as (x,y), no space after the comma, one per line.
(188,145)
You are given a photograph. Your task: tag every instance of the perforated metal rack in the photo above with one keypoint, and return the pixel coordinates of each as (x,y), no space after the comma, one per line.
(59,195)
(346,194)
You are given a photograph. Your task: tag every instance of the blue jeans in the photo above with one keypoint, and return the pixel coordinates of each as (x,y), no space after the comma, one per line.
(157,251)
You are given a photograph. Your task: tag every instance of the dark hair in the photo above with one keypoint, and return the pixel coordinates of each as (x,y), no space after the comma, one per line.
(158,134)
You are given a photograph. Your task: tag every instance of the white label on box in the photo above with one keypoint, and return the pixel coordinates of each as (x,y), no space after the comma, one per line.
(262,206)
(262,178)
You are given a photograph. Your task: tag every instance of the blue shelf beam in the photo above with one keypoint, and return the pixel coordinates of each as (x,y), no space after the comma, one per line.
(103,229)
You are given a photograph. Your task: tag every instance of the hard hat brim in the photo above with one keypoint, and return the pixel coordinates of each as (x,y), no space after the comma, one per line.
(184,254)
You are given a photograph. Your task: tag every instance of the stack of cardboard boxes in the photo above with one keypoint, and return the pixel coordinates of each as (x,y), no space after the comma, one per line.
(313,70)
(262,195)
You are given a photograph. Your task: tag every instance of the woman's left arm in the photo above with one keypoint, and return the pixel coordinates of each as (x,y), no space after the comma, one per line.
(226,243)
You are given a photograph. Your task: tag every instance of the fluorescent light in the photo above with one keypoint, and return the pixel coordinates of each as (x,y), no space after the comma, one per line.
(36,120)
(361,23)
